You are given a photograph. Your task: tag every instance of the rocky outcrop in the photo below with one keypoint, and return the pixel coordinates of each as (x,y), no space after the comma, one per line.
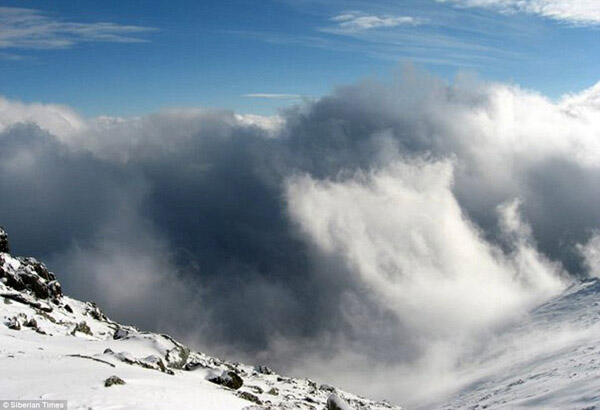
(334,402)
(3,241)
(27,274)
(113,380)
(263,370)
(228,379)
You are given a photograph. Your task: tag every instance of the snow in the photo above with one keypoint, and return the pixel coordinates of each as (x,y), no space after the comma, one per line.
(42,366)
(550,360)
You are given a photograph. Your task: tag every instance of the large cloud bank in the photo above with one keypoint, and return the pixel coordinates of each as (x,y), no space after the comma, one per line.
(372,238)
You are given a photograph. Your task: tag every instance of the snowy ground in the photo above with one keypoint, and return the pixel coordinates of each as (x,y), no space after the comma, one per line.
(551,360)
(42,366)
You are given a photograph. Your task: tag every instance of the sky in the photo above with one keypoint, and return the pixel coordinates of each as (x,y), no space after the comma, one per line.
(363,193)
(129,58)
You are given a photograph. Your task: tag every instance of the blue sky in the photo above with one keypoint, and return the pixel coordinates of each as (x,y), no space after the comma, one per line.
(127,58)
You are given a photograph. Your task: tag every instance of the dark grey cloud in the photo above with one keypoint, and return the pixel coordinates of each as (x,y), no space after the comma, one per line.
(246,237)
(53,197)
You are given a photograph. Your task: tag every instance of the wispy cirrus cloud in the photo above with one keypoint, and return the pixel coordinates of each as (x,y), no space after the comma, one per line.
(22,28)
(402,45)
(354,21)
(577,12)
(274,96)
(429,33)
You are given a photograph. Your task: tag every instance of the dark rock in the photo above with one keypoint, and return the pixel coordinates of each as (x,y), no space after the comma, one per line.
(335,402)
(120,333)
(228,379)
(4,241)
(94,311)
(326,387)
(177,357)
(33,276)
(15,282)
(274,391)
(263,370)
(256,389)
(82,327)
(195,364)
(113,380)
(14,324)
(31,323)
(46,315)
(68,308)
(17,297)
(160,364)
(40,290)
(55,289)
(39,268)
(249,396)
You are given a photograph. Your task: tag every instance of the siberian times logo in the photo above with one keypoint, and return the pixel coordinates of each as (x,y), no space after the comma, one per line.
(33,404)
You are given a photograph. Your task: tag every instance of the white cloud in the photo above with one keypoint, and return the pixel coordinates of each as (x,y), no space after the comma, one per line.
(396,240)
(59,120)
(402,232)
(591,255)
(117,138)
(403,236)
(351,22)
(271,124)
(578,12)
(22,28)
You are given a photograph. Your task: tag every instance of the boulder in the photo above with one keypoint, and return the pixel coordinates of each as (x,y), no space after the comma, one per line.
(14,324)
(113,380)
(31,323)
(120,333)
(31,275)
(228,379)
(263,370)
(250,397)
(326,387)
(82,327)
(335,402)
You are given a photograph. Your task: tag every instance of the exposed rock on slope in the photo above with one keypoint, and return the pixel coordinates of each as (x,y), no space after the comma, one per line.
(45,332)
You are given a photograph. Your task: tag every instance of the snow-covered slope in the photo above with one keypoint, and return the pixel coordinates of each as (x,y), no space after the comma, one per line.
(54,347)
(549,360)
